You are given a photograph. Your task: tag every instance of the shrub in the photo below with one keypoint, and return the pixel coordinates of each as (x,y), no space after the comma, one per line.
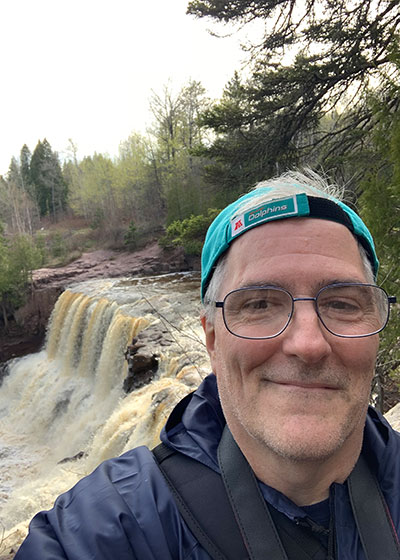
(58,246)
(40,243)
(130,237)
(189,233)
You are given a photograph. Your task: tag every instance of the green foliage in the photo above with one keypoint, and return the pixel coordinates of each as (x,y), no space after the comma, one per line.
(155,179)
(49,187)
(233,10)
(14,173)
(61,243)
(25,257)
(177,154)
(97,219)
(274,120)
(130,237)
(18,257)
(109,192)
(58,247)
(189,233)
(17,207)
(25,169)
(40,244)
(237,156)
(380,208)
(139,181)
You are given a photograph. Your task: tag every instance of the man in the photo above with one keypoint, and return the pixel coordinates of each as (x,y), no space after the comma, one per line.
(291,319)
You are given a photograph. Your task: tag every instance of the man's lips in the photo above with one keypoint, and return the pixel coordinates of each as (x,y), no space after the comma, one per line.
(306,385)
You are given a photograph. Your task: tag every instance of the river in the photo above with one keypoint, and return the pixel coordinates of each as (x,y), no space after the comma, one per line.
(67,401)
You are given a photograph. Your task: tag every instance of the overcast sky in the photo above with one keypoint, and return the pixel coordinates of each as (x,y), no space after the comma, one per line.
(84,69)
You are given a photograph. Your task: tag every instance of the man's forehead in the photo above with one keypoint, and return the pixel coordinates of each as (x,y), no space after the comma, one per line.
(294,242)
(292,253)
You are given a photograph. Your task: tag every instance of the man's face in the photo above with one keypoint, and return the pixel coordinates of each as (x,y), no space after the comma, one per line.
(302,395)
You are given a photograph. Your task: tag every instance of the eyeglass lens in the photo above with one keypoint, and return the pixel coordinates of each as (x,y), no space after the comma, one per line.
(345,310)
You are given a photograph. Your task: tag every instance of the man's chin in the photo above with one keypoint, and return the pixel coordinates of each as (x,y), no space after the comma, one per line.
(303,440)
(305,452)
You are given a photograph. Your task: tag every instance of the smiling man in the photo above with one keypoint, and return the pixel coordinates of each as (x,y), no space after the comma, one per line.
(276,455)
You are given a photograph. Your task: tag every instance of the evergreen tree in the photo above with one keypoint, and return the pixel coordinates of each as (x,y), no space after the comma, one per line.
(379,203)
(4,266)
(14,173)
(234,161)
(40,186)
(48,182)
(336,51)
(25,168)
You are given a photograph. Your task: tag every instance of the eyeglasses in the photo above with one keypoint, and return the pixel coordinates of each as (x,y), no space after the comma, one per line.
(348,310)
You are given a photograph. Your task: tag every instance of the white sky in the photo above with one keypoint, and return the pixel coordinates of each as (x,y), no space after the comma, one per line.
(84,69)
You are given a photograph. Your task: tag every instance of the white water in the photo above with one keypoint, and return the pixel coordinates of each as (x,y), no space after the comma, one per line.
(68,398)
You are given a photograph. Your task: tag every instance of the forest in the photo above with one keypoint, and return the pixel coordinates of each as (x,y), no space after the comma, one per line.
(319,90)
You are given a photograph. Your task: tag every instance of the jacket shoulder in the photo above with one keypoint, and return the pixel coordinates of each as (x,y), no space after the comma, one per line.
(123,510)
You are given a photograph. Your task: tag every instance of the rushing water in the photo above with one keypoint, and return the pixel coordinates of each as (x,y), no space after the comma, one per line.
(68,398)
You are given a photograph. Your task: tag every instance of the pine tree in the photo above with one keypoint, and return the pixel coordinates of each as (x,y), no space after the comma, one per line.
(25,168)
(49,186)
(314,58)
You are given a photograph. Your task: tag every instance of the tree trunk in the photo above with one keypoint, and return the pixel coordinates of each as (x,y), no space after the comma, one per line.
(5,319)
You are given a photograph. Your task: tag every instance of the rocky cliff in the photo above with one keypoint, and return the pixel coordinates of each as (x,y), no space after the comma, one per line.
(27,332)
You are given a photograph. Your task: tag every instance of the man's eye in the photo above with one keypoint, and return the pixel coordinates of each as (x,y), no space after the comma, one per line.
(256,304)
(344,306)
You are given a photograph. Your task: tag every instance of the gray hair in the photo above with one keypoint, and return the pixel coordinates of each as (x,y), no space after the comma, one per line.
(287,184)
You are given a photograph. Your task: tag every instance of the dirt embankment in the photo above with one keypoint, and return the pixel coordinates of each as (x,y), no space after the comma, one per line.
(27,333)
(105,263)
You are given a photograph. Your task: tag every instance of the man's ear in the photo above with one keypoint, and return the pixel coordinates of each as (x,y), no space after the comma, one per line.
(209,331)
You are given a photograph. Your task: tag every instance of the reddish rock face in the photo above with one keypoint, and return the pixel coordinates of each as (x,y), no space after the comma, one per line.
(18,343)
(152,259)
(27,332)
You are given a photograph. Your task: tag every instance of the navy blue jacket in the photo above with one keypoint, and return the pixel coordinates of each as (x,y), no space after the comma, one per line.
(124,509)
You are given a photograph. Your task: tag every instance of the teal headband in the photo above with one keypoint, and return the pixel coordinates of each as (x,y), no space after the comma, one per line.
(232,222)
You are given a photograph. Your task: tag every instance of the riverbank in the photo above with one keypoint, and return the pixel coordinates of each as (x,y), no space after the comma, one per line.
(27,332)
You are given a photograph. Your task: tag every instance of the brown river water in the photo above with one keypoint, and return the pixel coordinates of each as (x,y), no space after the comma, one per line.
(68,399)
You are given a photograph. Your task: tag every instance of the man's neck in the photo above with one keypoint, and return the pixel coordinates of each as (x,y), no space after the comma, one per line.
(303,482)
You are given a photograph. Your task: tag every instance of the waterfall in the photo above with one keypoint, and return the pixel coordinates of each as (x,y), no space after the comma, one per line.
(68,400)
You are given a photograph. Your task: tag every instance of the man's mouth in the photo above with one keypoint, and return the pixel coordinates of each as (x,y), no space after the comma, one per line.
(309,386)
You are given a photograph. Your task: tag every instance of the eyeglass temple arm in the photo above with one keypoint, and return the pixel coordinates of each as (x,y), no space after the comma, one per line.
(221,303)
(392,299)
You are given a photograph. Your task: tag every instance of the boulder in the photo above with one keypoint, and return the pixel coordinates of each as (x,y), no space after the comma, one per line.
(141,366)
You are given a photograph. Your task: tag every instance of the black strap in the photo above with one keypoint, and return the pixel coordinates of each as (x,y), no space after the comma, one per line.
(374,523)
(205,506)
(299,543)
(253,517)
(202,501)
(266,532)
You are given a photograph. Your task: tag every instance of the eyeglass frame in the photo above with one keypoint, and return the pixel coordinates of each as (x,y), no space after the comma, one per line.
(390,299)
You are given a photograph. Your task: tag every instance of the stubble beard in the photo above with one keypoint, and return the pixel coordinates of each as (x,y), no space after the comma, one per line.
(268,432)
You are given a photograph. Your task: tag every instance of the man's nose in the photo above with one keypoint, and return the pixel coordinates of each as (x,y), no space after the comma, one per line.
(305,336)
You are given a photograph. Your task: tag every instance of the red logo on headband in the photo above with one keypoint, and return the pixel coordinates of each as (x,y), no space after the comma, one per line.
(238,225)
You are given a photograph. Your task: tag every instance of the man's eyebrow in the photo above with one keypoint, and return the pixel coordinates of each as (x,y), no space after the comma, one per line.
(342,280)
(289,286)
(260,284)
